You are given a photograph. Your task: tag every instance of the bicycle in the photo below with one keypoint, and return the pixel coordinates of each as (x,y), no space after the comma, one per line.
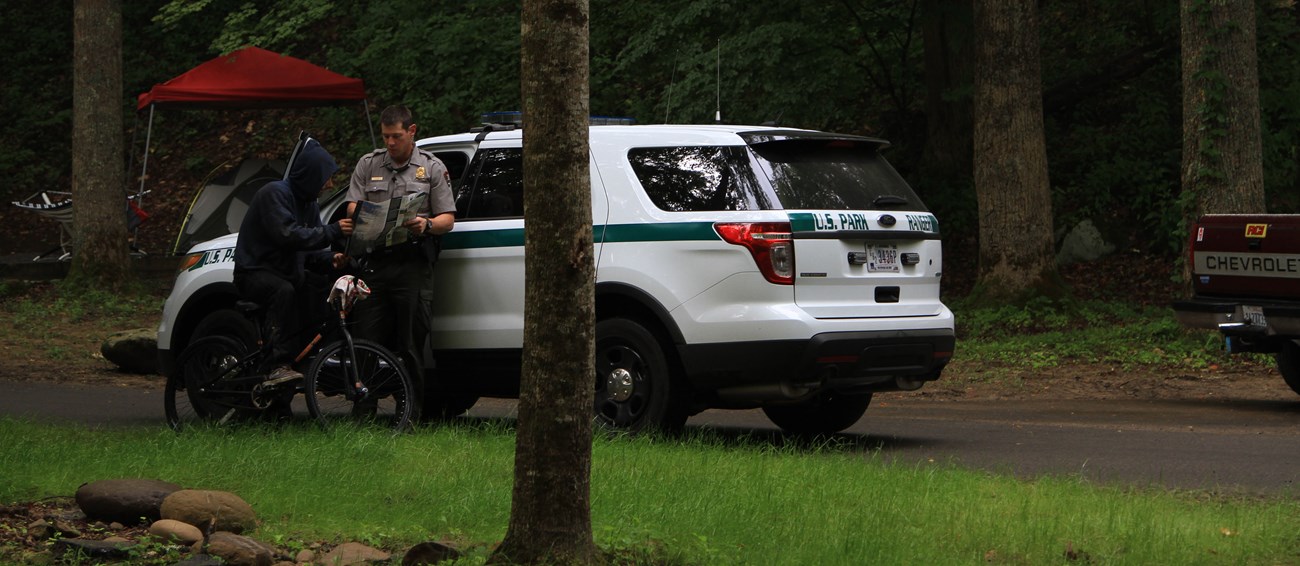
(218,380)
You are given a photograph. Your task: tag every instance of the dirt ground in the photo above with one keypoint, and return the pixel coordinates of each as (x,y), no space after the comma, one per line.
(68,351)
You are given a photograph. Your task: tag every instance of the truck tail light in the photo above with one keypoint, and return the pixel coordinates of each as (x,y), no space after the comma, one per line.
(768,242)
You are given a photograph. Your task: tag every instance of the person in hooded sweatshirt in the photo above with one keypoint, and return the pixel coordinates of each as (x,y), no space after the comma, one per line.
(280,238)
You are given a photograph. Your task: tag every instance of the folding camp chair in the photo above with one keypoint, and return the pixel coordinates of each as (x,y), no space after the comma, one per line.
(57,206)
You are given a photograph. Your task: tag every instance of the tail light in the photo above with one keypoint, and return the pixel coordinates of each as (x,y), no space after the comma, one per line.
(768,242)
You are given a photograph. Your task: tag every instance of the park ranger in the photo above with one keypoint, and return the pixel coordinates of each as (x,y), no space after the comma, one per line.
(397,315)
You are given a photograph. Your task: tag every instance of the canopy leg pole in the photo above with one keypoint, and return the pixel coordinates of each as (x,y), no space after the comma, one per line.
(374,144)
(144,168)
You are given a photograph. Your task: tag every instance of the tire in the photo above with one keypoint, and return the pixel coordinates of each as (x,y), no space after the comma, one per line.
(444,405)
(828,413)
(636,390)
(1288,364)
(200,389)
(230,323)
(390,400)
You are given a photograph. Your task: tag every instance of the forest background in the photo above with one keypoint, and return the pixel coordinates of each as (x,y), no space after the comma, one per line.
(894,69)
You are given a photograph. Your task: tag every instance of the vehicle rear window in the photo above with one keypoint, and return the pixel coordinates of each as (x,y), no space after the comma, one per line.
(833,175)
(788,174)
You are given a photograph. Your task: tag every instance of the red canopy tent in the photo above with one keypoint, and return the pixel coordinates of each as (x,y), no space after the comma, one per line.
(251,77)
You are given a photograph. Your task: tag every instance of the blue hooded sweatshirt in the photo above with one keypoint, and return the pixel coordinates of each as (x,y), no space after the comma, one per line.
(282,231)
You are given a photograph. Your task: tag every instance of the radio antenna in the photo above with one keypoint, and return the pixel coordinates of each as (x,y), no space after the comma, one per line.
(672,79)
(717,115)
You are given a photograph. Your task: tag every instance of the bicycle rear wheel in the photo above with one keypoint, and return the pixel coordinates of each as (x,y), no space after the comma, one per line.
(386,396)
(209,384)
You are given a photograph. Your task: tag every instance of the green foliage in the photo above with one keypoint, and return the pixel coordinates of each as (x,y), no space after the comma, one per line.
(1111,78)
(1044,334)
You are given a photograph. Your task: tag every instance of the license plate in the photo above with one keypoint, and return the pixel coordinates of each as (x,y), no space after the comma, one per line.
(882,258)
(1253,316)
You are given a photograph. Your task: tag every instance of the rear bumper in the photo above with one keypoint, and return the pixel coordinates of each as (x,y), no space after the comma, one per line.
(751,373)
(1245,332)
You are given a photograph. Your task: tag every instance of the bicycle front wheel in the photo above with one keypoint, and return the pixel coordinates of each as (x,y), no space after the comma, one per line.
(208,384)
(383,394)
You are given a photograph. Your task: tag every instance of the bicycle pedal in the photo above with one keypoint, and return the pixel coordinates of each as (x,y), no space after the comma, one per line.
(277,381)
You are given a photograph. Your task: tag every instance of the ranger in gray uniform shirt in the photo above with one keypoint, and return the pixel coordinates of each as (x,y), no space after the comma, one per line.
(397,314)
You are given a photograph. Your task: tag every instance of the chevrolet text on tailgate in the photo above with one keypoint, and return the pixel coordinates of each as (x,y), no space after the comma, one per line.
(1246,283)
(736,267)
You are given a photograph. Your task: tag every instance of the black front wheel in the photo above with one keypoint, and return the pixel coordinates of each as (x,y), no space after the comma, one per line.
(827,413)
(635,386)
(383,394)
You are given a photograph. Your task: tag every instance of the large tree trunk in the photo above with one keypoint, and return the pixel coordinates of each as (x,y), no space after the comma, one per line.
(1223,167)
(99,254)
(1016,257)
(550,519)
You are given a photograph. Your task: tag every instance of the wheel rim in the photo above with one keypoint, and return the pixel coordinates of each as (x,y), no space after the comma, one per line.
(204,390)
(384,404)
(622,389)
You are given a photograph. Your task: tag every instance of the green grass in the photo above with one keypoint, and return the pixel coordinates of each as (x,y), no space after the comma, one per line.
(705,499)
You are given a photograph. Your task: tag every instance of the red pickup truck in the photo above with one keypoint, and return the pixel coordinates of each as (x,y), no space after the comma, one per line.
(1246,283)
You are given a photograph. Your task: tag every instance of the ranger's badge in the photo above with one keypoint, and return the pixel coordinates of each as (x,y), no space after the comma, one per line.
(420,174)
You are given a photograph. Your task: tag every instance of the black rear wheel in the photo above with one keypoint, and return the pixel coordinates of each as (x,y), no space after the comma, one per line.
(635,386)
(209,384)
(827,413)
(385,395)
(1288,364)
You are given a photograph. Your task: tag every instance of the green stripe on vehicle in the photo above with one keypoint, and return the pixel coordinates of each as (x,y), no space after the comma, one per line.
(504,238)
(612,233)
(667,232)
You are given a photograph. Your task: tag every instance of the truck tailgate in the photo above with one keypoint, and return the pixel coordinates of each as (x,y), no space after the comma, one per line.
(1237,255)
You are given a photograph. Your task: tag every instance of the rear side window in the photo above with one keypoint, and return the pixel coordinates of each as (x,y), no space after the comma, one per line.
(791,174)
(833,175)
(493,186)
(708,178)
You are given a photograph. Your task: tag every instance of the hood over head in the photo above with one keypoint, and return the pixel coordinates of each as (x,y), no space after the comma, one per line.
(312,167)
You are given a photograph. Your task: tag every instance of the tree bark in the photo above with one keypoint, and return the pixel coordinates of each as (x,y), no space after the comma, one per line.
(550,517)
(1223,167)
(1016,257)
(100,255)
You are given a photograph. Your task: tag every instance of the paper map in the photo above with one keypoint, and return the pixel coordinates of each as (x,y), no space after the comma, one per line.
(378,225)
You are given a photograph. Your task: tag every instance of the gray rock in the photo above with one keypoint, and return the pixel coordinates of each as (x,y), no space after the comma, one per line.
(134,351)
(201,560)
(238,550)
(225,511)
(429,553)
(353,554)
(126,501)
(1083,243)
(43,529)
(93,548)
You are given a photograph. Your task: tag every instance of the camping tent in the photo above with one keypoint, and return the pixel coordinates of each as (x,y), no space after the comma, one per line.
(221,203)
(250,78)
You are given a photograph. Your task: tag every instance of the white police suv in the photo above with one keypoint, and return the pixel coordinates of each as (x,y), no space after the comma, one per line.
(736,267)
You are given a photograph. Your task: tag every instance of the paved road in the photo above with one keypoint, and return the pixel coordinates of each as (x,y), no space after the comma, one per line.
(1242,444)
